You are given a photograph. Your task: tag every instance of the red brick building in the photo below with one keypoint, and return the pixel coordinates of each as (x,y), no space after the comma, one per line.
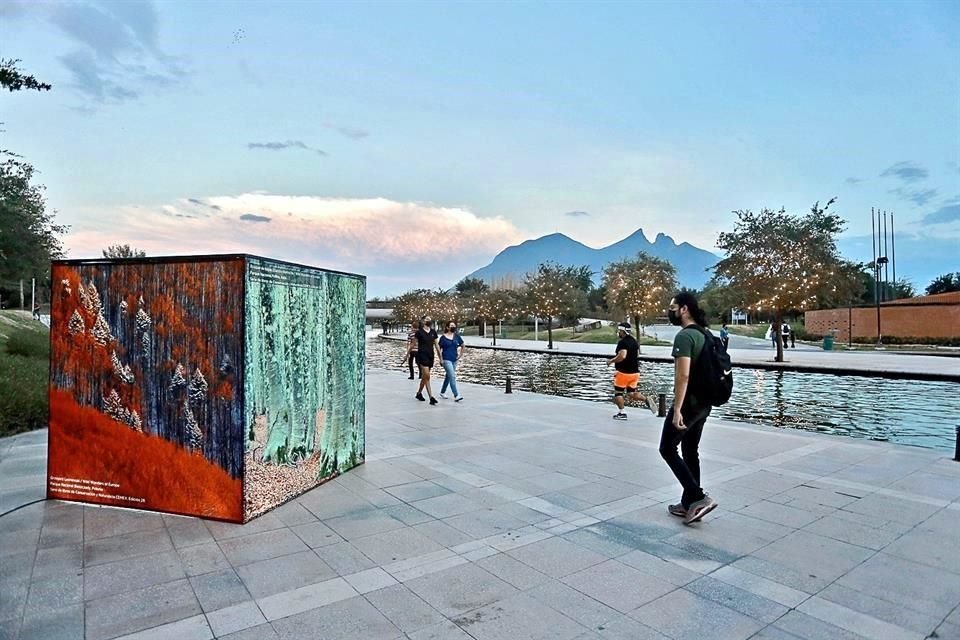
(921,317)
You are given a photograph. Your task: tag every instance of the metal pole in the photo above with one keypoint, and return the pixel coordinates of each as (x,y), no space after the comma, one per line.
(850,325)
(956,453)
(509,388)
(876,273)
(893,255)
(33,295)
(886,264)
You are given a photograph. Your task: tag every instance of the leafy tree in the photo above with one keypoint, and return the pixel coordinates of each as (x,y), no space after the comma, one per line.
(439,305)
(780,262)
(583,277)
(471,286)
(640,288)
(29,237)
(554,291)
(946,283)
(123,251)
(12,79)
(495,305)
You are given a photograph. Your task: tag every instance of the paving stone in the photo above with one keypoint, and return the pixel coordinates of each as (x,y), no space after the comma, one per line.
(123,575)
(139,609)
(854,621)
(261,546)
(260,632)
(745,602)
(344,558)
(235,618)
(818,557)
(104,522)
(659,568)
(351,527)
(623,628)
(618,585)
(219,589)
(556,557)
(442,631)
(274,575)
(384,474)
(484,523)
(460,589)
(844,530)
(806,627)
(407,515)
(126,546)
(187,532)
(895,509)
(512,571)
(64,623)
(446,505)
(56,561)
(930,547)
(293,513)
(352,619)
(932,591)
(192,628)
(370,580)
(404,608)
(442,533)
(400,544)
(575,605)
(595,540)
(418,490)
(316,534)
(898,614)
(13,598)
(518,616)
(682,614)
(203,558)
(227,530)
(780,514)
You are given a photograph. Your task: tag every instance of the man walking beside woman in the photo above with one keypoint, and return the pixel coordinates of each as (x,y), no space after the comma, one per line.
(451,349)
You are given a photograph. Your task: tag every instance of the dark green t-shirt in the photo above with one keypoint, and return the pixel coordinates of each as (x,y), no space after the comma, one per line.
(688,343)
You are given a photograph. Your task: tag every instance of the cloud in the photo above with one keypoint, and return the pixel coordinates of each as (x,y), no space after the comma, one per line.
(349,132)
(853,180)
(949,212)
(906,171)
(577,214)
(385,238)
(114,53)
(919,197)
(289,144)
(252,217)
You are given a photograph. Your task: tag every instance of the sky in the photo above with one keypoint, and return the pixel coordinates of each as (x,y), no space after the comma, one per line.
(411,142)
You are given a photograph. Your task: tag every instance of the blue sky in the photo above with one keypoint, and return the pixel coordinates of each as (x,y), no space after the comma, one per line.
(412,142)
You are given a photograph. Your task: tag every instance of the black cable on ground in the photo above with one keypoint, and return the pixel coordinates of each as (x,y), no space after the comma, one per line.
(6,513)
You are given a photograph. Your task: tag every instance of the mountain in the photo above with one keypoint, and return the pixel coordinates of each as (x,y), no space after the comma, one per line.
(511,264)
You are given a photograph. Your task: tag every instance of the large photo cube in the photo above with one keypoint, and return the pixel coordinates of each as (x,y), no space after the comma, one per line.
(213,386)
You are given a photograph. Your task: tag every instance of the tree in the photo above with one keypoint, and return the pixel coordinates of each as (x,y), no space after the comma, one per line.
(13,79)
(29,238)
(123,251)
(640,288)
(471,286)
(780,262)
(946,283)
(495,305)
(554,291)
(439,305)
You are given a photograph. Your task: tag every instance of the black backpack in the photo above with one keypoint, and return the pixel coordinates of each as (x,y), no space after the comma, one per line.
(711,376)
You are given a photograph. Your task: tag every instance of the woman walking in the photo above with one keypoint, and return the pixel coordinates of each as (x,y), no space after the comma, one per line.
(451,348)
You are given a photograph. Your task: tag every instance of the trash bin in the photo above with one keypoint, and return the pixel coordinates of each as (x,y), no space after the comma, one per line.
(828,343)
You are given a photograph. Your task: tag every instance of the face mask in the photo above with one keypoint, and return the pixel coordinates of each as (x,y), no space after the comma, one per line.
(674,317)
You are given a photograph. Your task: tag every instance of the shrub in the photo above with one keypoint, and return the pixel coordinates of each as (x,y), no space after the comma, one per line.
(32,344)
(23,394)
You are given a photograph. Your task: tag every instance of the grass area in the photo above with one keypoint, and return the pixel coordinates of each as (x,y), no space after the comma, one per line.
(603,335)
(748,330)
(24,373)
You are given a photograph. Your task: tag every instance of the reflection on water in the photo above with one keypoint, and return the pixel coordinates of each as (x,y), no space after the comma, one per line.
(911,412)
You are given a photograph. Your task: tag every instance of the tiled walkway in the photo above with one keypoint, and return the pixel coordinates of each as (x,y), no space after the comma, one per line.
(509,517)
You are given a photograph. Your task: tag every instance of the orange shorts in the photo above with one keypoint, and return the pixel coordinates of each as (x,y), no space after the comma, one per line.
(626,381)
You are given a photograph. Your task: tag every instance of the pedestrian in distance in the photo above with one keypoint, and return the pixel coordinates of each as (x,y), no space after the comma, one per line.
(772,335)
(451,348)
(785,333)
(725,336)
(36,311)
(626,379)
(411,356)
(427,347)
(683,425)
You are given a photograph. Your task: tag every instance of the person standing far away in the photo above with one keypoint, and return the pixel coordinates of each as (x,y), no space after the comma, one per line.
(683,425)
(627,376)
(451,348)
(725,336)
(426,347)
(772,335)
(36,311)
(785,332)
(411,354)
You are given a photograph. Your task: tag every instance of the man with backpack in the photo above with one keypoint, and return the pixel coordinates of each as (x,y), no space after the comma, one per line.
(702,379)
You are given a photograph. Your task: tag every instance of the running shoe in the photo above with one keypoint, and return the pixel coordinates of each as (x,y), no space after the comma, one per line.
(620,416)
(443,395)
(420,397)
(700,508)
(677,510)
(433,401)
(458,399)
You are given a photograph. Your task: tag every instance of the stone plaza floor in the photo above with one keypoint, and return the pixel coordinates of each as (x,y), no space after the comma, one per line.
(511,517)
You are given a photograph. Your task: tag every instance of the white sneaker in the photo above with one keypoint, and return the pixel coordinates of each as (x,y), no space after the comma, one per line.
(620,416)
(458,399)
(443,395)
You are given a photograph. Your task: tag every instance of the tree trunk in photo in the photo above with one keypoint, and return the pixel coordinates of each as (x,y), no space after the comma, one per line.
(549,332)
(494,331)
(482,327)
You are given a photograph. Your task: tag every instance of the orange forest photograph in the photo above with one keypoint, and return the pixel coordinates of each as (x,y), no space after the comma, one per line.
(145,386)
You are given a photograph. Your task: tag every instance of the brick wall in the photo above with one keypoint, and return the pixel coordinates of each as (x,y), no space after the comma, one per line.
(927,317)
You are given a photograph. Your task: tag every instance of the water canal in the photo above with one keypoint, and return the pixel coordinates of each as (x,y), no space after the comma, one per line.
(912,412)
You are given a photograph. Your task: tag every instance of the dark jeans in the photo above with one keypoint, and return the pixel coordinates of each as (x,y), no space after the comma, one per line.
(412,356)
(687,468)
